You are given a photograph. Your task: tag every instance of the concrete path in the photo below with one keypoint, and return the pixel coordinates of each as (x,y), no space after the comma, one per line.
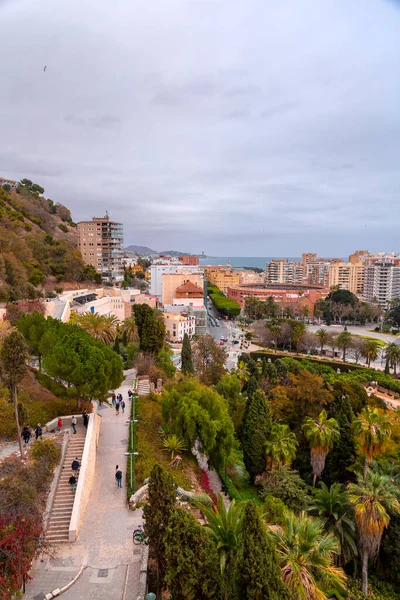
(104,546)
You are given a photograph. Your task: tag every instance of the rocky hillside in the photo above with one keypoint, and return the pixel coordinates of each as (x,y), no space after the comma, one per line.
(38,244)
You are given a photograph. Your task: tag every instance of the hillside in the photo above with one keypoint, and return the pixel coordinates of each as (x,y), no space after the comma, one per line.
(149,252)
(38,244)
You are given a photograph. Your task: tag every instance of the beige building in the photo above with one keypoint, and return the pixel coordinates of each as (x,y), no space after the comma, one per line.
(101,245)
(347,276)
(222,276)
(114,302)
(177,325)
(181,285)
(281,270)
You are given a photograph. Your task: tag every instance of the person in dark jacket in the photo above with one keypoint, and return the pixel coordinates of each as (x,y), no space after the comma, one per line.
(118,476)
(26,434)
(38,431)
(75,464)
(85,418)
(72,482)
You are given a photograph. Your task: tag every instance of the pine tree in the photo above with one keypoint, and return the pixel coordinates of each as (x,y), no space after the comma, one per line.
(257,429)
(186,356)
(192,560)
(251,387)
(157,513)
(257,575)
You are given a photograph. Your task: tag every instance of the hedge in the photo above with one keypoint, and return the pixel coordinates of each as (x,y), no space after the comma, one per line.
(333,364)
(224,305)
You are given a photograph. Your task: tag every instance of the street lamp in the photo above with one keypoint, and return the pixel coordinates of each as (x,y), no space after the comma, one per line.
(131,454)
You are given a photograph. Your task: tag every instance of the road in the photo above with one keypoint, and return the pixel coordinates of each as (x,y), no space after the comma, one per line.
(228,330)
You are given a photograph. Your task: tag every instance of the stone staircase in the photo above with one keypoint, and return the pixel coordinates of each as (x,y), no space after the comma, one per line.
(60,516)
(143,385)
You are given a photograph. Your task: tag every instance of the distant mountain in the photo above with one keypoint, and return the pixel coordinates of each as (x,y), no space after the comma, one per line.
(148,251)
(140,250)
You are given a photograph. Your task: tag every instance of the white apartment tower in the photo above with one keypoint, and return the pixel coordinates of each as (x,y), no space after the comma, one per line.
(381,283)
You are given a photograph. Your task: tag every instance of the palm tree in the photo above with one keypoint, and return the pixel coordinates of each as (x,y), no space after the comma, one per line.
(332,506)
(298,332)
(129,330)
(392,354)
(172,443)
(373,429)
(224,526)
(344,342)
(321,433)
(323,336)
(306,556)
(370,352)
(100,327)
(243,373)
(373,498)
(281,447)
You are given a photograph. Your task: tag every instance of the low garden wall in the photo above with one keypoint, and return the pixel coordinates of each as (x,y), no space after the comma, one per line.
(86,476)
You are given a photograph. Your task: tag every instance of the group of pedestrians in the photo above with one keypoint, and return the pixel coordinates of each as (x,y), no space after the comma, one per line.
(27,434)
(73,479)
(118,402)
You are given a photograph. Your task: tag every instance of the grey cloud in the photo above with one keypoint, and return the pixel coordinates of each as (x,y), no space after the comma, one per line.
(212,125)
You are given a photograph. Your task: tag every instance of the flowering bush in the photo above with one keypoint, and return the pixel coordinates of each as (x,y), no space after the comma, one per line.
(205,484)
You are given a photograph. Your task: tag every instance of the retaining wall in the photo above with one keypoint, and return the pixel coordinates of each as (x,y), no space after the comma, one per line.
(86,476)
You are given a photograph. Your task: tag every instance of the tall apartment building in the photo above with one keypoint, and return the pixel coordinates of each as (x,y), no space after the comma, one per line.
(316,272)
(101,244)
(308,257)
(381,283)
(347,276)
(280,270)
(360,256)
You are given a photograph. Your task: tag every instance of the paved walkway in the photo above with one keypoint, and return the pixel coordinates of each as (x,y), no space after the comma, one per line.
(105,543)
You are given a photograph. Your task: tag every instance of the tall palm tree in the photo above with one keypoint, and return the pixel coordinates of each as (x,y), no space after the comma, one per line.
(332,506)
(323,336)
(321,434)
(129,330)
(344,342)
(100,327)
(224,526)
(373,429)
(281,446)
(306,556)
(243,373)
(373,498)
(392,354)
(370,352)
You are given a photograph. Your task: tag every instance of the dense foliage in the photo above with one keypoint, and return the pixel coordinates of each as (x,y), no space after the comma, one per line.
(226,306)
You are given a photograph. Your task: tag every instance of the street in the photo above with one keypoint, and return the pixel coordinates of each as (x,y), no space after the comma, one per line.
(226,329)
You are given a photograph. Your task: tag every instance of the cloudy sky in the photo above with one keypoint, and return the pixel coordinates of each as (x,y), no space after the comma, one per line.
(237,127)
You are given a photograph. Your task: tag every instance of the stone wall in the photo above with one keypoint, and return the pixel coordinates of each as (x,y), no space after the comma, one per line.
(86,476)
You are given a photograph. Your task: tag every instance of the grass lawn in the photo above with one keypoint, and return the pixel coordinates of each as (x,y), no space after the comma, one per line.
(149,447)
(238,481)
(379,343)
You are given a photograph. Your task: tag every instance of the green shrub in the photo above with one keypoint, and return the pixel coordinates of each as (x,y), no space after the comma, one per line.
(46,450)
(200,500)
(224,305)
(63,228)
(274,510)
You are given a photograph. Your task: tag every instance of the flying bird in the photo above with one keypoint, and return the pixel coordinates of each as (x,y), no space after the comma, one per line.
(45,68)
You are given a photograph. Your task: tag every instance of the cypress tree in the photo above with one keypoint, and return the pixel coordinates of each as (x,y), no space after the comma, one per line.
(257,575)
(186,356)
(251,387)
(116,345)
(256,430)
(157,513)
(344,451)
(192,560)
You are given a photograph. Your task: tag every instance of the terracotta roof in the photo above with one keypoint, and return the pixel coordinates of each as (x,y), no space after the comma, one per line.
(189,287)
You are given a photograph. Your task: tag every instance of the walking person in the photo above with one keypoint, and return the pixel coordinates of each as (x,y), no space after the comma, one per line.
(75,464)
(72,482)
(123,406)
(38,431)
(59,424)
(73,424)
(114,399)
(130,394)
(118,476)
(117,408)
(85,418)
(26,434)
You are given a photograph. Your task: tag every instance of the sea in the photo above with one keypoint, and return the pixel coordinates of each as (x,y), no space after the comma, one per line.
(241,261)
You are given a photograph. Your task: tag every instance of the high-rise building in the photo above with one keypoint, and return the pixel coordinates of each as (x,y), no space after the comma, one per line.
(101,244)
(381,283)
(308,257)
(281,270)
(347,276)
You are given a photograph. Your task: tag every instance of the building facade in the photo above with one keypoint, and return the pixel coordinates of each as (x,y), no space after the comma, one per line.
(347,276)
(181,285)
(158,270)
(382,283)
(177,324)
(281,270)
(189,260)
(222,277)
(101,244)
(298,296)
